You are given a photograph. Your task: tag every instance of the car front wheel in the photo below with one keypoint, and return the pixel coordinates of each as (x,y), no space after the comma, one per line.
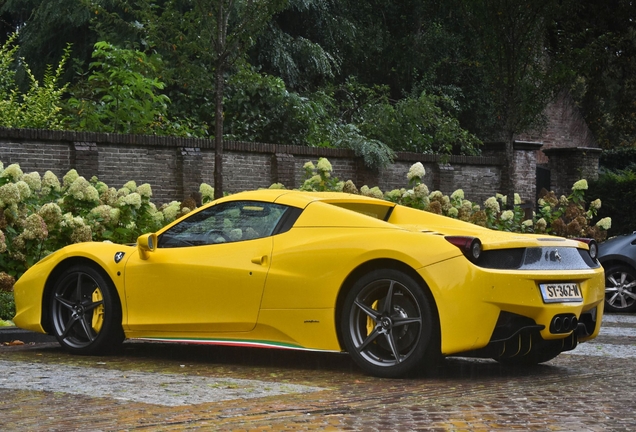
(620,289)
(387,324)
(85,311)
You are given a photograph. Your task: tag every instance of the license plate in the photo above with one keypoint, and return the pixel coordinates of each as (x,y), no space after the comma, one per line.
(561,292)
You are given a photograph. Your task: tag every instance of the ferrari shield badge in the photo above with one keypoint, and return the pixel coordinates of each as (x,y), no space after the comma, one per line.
(119,256)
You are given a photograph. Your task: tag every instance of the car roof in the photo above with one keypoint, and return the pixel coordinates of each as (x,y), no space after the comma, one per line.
(301,199)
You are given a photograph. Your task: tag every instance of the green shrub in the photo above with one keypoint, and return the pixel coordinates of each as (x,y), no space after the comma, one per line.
(618,159)
(618,190)
(7,306)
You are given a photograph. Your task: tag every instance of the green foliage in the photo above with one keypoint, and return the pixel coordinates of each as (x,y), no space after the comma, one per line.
(7,306)
(374,153)
(40,105)
(616,159)
(260,108)
(417,125)
(618,190)
(599,42)
(122,95)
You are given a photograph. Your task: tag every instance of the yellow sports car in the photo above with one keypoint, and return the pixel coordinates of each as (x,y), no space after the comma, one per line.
(392,286)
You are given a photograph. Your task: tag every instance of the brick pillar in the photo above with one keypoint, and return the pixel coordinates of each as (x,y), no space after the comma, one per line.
(85,159)
(571,164)
(190,166)
(284,170)
(443,174)
(525,169)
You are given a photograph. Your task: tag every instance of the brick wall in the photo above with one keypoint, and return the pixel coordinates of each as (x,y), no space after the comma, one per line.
(175,167)
(568,165)
(565,128)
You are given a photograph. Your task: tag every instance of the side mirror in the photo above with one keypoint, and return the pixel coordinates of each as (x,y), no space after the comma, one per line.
(145,244)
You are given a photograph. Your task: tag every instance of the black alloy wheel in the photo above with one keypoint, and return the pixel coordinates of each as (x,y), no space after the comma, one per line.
(387,324)
(85,311)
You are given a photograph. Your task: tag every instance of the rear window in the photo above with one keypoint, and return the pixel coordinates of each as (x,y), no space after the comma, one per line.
(375,211)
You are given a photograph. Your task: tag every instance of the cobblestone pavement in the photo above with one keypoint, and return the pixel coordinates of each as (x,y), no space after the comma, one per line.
(170,387)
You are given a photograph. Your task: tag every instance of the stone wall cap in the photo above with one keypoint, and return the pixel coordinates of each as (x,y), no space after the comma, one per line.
(555,150)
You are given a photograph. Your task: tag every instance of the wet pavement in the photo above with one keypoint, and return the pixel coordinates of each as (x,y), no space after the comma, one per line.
(168,387)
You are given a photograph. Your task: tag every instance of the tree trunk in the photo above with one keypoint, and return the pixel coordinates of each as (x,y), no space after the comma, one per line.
(510,171)
(218,135)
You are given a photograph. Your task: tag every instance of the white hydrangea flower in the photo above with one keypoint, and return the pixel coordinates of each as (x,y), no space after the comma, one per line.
(34,180)
(51,213)
(605,223)
(144,190)
(435,195)
(324,165)
(492,204)
(375,192)
(596,204)
(309,166)
(50,182)
(9,195)
(25,190)
(527,223)
(416,170)
(82,190)
(421,190)
(541,224)
(133,199)
(207,192)
(13,172)
(171,211)
(457,195)
(35,228)
(580,185)
(69,178)
(453,212)
(507,215)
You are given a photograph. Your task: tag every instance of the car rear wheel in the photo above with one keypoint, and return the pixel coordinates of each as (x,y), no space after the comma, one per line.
(387,324)
(85,311)
(620,289)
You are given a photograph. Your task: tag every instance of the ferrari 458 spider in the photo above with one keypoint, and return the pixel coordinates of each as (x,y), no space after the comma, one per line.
(392,286)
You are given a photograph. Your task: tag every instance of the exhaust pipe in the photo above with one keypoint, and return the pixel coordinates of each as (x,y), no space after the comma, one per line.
(563,323)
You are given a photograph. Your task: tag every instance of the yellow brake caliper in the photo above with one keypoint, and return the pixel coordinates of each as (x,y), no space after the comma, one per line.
(370,323)
(98,312)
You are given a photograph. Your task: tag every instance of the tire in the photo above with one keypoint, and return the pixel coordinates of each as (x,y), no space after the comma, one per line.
(391,338)
(85,311)
(620,289)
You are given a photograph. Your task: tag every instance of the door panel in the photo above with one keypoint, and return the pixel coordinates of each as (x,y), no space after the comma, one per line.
(215,287)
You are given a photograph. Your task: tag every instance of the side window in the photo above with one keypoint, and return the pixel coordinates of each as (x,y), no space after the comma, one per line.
(224,223)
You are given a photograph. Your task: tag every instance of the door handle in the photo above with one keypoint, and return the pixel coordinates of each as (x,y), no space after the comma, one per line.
(260,260)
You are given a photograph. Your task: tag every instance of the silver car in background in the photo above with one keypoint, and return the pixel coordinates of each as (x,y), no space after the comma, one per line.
(618,257)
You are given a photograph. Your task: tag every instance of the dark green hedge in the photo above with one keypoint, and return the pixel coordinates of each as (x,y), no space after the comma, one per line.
(617,191)
(622,158)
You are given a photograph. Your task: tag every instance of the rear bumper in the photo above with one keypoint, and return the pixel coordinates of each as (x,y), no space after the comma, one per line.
(473,304)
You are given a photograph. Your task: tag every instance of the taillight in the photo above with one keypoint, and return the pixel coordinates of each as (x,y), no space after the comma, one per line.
(592,245)
(470,246)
